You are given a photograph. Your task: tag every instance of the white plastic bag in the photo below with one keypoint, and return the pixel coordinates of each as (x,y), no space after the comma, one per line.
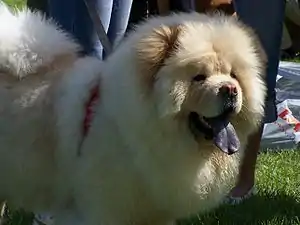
(285,131)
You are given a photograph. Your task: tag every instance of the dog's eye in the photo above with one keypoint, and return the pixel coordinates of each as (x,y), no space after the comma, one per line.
(232,74)
(199,77)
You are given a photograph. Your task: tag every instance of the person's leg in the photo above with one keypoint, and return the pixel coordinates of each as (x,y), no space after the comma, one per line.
(163,7)
(119,20)
(142,9)
(182,5)
(225,6)
(287,47)
(246,177)
(266,18)
(40,5)
(153,7)
(84,29)
(2,212)
(292,11)
(138,13)
(63,12)
(72,16)
(286,41)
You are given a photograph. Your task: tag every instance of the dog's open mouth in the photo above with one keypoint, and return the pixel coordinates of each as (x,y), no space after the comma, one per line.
(218,129)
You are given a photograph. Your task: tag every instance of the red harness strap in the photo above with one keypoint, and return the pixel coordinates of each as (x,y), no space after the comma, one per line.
(89,115)
(89,110)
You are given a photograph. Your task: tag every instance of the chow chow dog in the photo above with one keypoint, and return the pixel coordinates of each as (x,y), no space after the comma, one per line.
(152,134)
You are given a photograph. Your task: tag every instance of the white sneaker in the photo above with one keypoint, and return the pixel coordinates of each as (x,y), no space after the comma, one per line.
(238,200)
(43,219)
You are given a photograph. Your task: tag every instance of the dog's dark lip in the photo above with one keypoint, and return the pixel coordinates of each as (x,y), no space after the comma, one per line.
(202,123)
(218,129)
(199,125)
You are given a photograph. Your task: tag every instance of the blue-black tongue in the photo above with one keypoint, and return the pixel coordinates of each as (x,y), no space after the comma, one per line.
(224,135)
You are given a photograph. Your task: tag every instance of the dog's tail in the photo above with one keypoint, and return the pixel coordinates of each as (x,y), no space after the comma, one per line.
(30,43)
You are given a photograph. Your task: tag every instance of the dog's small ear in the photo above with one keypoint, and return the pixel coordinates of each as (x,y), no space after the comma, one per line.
(154,48)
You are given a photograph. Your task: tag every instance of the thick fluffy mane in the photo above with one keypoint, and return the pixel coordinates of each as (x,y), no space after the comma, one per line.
(28,42)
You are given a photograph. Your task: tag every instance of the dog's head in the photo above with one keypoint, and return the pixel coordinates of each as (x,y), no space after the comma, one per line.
(208,70)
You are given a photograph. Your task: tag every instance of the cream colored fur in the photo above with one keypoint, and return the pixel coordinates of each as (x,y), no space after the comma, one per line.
(29,42)
(140,163)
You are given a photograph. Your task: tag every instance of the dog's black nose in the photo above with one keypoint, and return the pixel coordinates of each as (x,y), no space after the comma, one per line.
(228,91)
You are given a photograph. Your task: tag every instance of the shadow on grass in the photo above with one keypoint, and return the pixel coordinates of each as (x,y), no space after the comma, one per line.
(260,209)
(18,217)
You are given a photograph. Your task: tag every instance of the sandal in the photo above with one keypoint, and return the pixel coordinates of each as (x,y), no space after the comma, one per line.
(238,200)
(43,219)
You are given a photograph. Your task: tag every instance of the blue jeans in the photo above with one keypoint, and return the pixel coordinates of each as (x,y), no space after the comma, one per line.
(266,18)
(182,5)
(72,16)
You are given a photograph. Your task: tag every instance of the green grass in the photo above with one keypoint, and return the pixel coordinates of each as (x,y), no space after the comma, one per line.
(19,217)
(277,202)
(294,60)
(15,3)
